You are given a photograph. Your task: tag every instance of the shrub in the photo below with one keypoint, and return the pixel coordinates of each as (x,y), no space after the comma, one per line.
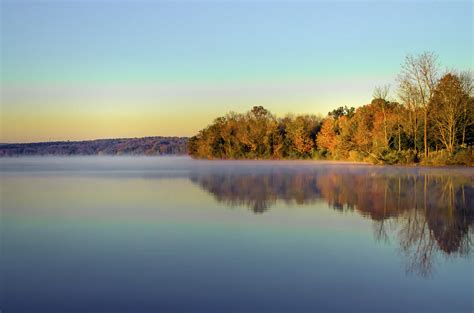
(320,154)
(442,157)
(355,156)
(464,157)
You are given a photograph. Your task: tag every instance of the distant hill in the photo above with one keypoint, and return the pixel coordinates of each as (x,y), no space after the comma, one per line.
(121,146)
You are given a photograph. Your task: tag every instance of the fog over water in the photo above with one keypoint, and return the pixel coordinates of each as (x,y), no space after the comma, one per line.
(143,234)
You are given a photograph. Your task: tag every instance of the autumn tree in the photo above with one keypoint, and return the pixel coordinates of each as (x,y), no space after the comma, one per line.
(302,133)
(448,107)
(326,138)
(467,123)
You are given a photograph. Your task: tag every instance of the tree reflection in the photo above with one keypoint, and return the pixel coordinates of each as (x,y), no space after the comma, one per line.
(260,191)
(427,212)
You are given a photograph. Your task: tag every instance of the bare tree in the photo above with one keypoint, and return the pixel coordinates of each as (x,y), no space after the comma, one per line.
(411,102)
(419,75)
(381,92)
(467,82)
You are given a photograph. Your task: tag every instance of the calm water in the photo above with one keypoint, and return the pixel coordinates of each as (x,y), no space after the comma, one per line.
(100,234)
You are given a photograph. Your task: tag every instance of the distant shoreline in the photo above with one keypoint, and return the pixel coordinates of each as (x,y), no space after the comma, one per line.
(118,146)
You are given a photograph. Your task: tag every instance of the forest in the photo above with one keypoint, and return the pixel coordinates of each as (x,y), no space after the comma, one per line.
(429,120)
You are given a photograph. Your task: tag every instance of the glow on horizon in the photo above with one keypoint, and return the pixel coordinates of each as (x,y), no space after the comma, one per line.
(85,70)
(144,110)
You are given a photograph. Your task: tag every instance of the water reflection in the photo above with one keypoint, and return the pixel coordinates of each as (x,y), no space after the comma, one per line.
(129,234)
(260,191)
(427,212)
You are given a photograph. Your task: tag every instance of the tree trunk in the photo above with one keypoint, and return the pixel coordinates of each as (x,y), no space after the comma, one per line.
(385,126)
(425,131)
(399,139)
(463,136)
(416,137)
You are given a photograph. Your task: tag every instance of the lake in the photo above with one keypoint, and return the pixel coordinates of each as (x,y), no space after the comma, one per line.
(171,234)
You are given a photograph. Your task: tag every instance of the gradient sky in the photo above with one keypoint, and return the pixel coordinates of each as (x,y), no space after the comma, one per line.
(101,69)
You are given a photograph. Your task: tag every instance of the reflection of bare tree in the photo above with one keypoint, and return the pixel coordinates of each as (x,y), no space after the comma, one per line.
(416,242)
(428,212)
(439,221)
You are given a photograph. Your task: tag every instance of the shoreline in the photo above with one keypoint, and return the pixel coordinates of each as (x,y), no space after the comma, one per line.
(282,161)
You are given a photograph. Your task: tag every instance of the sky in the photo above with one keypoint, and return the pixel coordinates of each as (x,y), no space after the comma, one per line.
(73,70)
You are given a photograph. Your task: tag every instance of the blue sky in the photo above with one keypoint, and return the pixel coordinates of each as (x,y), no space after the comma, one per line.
(97,62)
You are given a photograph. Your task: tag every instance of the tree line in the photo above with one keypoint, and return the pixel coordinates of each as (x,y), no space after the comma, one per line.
(430,121)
